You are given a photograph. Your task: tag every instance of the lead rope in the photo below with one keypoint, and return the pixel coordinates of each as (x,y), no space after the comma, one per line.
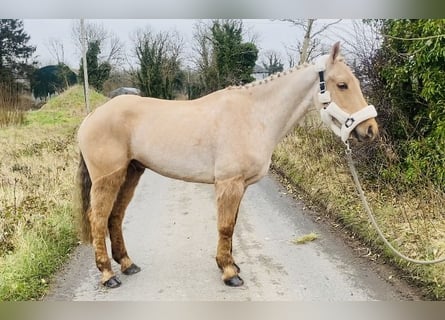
(371,215)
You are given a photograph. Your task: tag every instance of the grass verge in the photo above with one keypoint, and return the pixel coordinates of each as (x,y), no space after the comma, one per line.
(37,175)
(313,160)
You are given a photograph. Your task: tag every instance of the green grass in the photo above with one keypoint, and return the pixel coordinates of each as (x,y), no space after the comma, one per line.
(68,109)
(26,272)
(43,117)
(37,169)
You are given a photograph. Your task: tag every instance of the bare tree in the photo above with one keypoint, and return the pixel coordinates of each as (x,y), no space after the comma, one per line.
(272,62)
(291,58)
(360,39)
(310,46)
(115,49)
(111,47)
(202,45)
(92,32)
(56,49)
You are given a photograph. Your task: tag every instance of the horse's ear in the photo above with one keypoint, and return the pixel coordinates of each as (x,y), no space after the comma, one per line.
(335,51)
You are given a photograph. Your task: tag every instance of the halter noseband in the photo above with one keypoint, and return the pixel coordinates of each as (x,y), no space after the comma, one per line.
(340,122)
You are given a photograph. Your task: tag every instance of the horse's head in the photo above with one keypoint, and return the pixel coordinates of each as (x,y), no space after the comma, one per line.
(344,110)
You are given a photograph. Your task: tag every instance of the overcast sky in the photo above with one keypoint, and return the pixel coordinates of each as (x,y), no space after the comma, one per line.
(268,34)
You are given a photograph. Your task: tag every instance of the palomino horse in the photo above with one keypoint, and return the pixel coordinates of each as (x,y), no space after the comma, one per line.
(225,138)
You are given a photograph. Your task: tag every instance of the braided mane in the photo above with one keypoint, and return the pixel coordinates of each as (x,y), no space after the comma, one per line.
(269,78)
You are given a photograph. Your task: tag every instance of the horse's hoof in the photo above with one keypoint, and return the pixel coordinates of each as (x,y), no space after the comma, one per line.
(113,282)
(131,270)
(235,281)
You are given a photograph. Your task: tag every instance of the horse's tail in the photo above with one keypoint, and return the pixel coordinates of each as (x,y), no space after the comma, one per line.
(84,183)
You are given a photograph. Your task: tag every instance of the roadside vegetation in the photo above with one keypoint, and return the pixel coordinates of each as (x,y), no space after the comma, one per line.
(37,175)
(312,161)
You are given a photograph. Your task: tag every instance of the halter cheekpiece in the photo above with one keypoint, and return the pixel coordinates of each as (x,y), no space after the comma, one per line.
(340,122)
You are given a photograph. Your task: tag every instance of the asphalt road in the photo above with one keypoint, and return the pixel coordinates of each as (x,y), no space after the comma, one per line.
(170,230)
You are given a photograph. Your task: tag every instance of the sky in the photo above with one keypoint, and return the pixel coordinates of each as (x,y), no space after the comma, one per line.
(268,34)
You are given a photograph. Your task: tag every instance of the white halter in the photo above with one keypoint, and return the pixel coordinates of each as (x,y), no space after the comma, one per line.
(340,122)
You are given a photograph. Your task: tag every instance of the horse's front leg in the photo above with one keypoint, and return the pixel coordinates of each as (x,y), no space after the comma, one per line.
(229,193)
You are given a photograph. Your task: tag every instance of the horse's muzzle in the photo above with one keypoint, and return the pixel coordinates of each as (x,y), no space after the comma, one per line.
(366,131)
(344,124)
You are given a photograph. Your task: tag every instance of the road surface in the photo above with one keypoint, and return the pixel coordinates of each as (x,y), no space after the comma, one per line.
(170,230)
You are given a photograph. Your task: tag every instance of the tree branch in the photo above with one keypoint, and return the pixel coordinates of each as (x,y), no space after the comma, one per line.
(414,39)
(326,26)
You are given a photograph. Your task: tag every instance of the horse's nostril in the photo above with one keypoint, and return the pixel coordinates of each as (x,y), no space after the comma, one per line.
(371,133)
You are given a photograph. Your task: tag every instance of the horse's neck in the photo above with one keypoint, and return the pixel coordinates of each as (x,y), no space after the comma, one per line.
(281,101)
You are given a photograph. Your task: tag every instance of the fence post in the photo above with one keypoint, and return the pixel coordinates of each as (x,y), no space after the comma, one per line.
(86,89)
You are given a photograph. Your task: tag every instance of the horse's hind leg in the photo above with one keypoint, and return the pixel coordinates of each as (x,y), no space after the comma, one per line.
(228,197)
(103,195)
(124,197)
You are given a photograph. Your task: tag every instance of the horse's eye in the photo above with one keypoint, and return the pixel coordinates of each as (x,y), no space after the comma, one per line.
(342,86)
